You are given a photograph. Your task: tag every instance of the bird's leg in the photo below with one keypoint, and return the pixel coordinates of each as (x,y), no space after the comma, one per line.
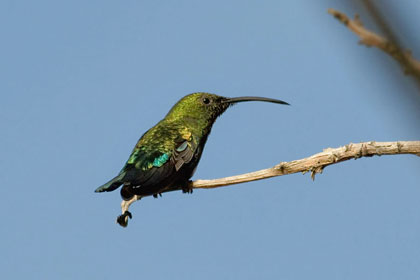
(122,220)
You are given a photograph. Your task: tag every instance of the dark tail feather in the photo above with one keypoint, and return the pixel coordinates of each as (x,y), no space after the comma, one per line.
(113,184)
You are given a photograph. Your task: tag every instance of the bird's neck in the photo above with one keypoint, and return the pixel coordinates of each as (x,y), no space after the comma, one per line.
(197,126)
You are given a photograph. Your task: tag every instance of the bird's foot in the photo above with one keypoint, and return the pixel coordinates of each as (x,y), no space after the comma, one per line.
(187,188)
(157,194)
(122,220)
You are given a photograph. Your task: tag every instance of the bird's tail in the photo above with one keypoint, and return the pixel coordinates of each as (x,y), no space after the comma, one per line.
(113,184)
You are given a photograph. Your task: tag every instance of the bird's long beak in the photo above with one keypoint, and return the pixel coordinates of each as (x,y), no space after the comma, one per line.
(253,98)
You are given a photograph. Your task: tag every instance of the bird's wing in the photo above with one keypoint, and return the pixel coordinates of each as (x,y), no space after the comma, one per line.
(145,169)
(183,153)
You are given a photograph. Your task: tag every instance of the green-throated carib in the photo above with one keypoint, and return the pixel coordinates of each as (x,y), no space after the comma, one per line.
(167,155)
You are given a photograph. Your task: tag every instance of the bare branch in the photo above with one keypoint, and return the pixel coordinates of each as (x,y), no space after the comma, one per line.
(313,164)
(316,163)
(369,38)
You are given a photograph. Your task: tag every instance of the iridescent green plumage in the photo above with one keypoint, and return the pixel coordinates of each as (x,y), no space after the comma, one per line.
(166,156)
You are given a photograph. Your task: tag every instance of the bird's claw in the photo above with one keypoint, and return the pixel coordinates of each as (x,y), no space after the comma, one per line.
(187,187)
(187,190)
(122,220)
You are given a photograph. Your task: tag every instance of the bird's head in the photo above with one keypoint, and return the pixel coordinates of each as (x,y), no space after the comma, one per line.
(207,106)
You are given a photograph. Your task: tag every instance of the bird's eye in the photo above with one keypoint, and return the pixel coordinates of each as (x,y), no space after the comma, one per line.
(206,100)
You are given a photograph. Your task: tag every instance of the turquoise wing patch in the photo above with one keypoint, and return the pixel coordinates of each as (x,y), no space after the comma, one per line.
(143,161)
(159,161)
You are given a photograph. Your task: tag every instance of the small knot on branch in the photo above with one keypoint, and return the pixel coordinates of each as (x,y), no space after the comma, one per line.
(316,170)
(365,151)
(399,146)
(338,15)
(357,20)
(281,167)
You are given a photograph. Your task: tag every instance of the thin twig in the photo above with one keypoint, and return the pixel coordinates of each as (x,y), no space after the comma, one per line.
(369,38)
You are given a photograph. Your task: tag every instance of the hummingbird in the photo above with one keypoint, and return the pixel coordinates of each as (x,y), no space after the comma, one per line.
(167,155)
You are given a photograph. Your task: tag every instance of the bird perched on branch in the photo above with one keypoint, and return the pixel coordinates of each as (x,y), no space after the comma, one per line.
(167,155)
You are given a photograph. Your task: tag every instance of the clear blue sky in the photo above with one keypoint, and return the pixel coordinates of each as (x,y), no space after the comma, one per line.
(82,80)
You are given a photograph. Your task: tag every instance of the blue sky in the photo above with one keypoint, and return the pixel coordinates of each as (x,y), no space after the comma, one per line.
(82,81)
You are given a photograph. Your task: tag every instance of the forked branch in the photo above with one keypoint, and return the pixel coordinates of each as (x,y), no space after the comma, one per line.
(369,38)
